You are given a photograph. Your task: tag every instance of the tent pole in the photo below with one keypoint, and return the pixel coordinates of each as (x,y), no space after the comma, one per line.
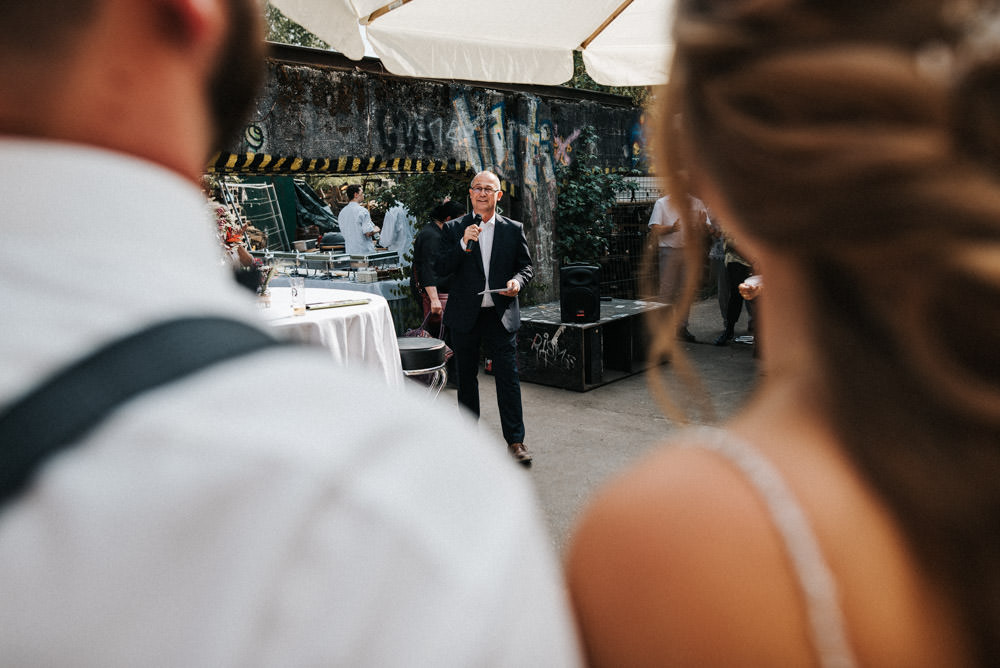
(621,8)
(381,11)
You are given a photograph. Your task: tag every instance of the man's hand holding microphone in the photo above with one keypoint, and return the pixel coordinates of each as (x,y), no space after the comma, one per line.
(471,235)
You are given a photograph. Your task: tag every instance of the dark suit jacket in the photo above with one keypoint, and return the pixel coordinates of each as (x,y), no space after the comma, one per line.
(508,259)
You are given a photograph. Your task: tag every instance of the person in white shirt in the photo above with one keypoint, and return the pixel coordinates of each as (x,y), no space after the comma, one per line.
(398,230)
(220,520)
(665,226)
(356,224)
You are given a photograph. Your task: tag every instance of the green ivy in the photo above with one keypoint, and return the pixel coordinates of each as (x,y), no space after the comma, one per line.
(640,95)
(282,29)
(420,193)
(583,214)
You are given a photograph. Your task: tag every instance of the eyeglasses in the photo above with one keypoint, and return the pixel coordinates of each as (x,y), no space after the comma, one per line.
(485,190)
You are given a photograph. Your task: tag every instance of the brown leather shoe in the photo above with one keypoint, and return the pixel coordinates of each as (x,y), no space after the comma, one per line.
(519,453)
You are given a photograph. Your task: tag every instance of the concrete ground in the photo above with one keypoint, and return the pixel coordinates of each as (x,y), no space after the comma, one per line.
(580,439)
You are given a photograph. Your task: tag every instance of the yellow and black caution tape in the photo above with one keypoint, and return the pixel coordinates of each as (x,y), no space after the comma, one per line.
(264,163)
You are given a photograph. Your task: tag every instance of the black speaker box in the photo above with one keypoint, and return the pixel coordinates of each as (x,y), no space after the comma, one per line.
(580,293)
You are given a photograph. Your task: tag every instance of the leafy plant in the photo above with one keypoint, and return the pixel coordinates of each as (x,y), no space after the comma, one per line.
(583,219)
(640,95)
(420,193)
(282,29)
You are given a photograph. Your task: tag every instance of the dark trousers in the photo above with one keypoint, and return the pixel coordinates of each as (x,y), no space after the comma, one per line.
(722,284)
(736,273)
(501,347)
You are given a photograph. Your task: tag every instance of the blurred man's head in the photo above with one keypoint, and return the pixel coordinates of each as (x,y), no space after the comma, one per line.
(239,71)
(42,26)
(166,80)
(37,40)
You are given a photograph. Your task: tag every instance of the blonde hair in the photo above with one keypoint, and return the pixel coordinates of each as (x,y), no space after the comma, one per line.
(861,140)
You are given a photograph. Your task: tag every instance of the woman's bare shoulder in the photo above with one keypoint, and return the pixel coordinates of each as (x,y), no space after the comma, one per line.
(672,552)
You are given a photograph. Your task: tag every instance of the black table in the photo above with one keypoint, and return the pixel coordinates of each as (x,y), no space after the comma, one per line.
(582,356)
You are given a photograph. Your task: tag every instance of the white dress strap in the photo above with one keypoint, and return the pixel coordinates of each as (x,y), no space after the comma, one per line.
(816,581)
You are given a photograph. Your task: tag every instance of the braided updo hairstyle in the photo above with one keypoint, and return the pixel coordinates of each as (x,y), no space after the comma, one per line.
(861,140)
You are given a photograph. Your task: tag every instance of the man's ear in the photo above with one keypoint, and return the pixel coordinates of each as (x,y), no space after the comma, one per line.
(191,22)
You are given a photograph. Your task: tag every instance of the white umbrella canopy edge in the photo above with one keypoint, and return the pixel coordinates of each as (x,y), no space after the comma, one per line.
(471,61)
(333,21)
(518,41)
(635,48)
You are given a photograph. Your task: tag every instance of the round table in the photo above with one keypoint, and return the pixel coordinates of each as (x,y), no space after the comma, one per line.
(357,335)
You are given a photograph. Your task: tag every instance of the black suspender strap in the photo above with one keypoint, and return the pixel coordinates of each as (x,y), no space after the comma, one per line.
(64,408)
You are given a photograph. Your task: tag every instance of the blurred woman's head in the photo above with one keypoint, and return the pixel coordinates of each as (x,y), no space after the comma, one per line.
(859,142)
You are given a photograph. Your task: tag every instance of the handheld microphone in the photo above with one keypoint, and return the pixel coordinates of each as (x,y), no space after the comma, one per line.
(476,220)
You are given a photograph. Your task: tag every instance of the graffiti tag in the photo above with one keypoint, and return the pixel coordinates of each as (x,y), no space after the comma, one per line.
(548,352)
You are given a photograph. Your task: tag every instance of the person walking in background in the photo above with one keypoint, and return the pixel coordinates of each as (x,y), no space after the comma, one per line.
(665,226)
(487,256)
(356,224)
(193,524)
(847,516)
(430,287)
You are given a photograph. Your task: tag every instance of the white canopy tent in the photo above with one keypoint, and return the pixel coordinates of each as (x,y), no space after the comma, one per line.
(624,42)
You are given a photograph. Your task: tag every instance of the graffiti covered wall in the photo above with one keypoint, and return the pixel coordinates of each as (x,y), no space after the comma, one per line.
(325,120)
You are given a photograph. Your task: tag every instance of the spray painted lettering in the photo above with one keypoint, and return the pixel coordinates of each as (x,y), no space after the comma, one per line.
(548,352)
(564,147)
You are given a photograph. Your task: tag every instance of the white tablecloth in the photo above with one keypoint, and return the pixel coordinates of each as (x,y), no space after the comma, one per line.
(395,288)
(356,336)
(396,291)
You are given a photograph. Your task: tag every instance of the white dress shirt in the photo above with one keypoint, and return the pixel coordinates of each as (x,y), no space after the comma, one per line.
(355,223)
(252,514)
(398,230)
(486,230)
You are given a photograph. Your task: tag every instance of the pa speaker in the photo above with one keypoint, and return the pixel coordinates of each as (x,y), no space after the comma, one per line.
(580,293)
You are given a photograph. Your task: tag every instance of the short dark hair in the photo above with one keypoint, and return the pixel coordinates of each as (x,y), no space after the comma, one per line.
(32,27)
(352,190)
(447,210)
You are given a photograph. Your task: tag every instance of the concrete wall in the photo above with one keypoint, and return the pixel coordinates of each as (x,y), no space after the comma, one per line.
(326,119)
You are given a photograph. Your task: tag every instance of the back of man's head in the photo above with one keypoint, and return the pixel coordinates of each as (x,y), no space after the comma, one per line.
(352,191)
(42,29)
(168,81)
(450,209)
(37,41)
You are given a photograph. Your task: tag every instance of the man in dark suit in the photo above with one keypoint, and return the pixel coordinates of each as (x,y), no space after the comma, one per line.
(484,251)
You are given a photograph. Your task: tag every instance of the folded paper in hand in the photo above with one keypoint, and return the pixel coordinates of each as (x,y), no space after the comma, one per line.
(493,291)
